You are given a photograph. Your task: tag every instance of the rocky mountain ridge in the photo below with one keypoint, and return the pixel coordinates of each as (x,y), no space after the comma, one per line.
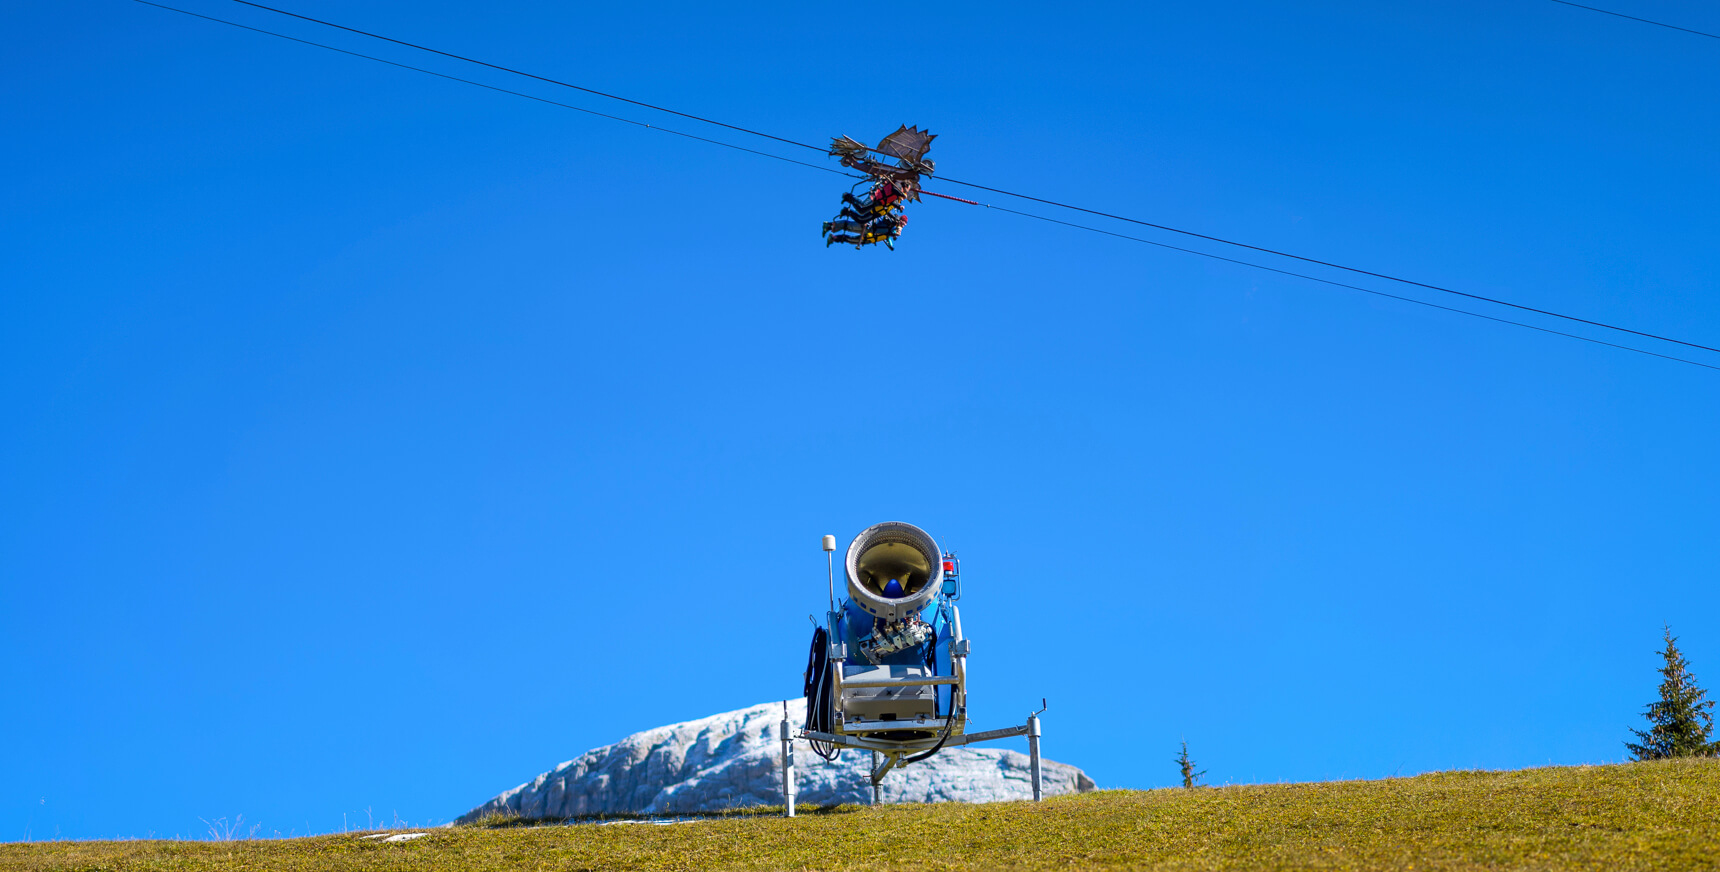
(732,760)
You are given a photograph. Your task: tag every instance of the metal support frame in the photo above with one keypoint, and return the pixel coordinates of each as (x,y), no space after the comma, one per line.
(909,747)
(1032,754)
(893,751)
(788,785)
(901,682)
(878,775)
(861,725)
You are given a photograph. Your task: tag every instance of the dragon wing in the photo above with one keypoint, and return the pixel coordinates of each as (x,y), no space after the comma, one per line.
(908,144)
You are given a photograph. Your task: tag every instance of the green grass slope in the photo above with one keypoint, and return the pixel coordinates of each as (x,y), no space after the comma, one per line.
(1662,815)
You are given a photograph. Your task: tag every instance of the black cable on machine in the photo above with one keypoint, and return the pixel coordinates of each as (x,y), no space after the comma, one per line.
(949,726)
(817,690)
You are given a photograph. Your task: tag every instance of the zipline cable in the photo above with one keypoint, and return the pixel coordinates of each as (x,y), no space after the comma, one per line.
(1634,18)
(968,184)
(1337,284)
(1165,227)
(493,87)
(1357,270)
(519,72)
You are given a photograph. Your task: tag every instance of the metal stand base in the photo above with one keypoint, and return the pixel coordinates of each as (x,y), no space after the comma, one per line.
(1033,751)
(893,752)
(788,786)
(878,776)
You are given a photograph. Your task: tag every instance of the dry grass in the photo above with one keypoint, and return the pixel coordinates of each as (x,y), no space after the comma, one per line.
(1663,815)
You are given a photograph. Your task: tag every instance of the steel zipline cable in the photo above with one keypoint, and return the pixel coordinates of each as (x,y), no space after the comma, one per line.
(1007,193)
(1634,18)
(492,87)
(1339,266)
(1337,284)
(519,72)
(975,185)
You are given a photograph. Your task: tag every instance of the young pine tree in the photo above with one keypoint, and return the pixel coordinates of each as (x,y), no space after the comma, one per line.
(1189,776)
(1679,722)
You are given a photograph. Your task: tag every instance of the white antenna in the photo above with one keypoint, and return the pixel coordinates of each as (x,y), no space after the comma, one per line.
(830,562)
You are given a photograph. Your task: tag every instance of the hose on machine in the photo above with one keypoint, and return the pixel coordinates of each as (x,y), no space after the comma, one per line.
(820,685)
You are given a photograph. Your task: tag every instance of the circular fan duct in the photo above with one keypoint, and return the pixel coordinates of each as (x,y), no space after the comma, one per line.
(894,569)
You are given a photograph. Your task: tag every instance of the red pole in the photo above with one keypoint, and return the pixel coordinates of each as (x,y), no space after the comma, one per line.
(948,197)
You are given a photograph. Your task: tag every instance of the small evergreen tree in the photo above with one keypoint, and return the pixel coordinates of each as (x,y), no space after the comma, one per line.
(1190,777)
(1680,723)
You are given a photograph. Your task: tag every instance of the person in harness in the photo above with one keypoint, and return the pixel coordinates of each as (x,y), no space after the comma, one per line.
(884,198)
(886,229)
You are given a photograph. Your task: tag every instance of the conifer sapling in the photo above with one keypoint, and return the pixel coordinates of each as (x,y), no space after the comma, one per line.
(1679,722)
(1190,777)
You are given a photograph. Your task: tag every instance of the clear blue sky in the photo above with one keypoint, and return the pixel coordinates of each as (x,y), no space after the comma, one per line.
(373,441)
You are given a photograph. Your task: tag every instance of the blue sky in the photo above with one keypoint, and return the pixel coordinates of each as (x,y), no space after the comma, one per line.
(375,442)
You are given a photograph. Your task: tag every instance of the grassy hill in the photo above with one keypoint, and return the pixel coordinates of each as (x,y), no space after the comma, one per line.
(1662,815)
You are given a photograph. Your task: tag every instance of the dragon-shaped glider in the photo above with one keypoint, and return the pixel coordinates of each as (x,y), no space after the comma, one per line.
(895,176)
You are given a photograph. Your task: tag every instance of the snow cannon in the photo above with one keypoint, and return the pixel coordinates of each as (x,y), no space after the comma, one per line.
(887,672)
(886,665)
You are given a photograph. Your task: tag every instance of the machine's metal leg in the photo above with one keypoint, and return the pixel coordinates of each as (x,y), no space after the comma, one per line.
(877,781)
(787,764)
(891,758)
(1033,752)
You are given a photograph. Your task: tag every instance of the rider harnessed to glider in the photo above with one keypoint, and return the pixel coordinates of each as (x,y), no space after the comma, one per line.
(877,216)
